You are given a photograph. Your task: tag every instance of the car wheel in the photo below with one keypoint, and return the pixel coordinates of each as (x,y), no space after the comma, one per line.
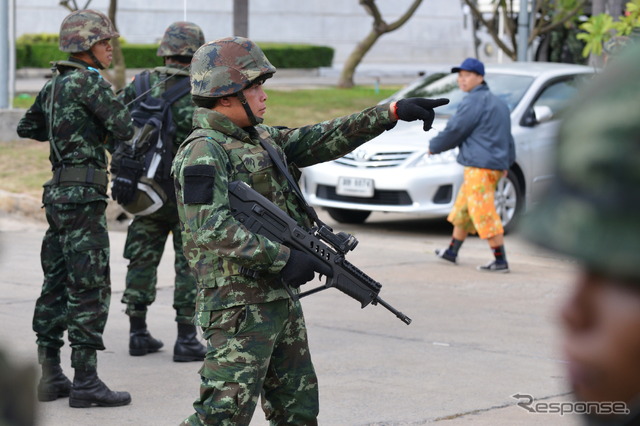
(508,201)
(348,216)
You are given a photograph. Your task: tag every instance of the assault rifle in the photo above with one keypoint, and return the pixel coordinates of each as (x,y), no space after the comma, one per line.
(261,216)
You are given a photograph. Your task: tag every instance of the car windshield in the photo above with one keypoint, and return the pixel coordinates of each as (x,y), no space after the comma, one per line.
(508,87)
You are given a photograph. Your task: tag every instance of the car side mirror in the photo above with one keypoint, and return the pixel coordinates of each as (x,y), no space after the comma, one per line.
(542,114)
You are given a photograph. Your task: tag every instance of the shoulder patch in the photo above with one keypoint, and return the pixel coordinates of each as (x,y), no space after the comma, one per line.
(198,184)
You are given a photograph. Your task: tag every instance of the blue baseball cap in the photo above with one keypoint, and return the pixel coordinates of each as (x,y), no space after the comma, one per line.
(470,64)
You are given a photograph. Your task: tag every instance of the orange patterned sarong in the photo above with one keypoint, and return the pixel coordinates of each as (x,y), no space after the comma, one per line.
(474,209)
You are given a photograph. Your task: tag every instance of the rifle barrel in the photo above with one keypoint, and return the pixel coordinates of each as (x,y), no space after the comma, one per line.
(405,319)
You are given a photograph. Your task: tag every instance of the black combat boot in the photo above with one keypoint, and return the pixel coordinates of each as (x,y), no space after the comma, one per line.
(53,383)
(140,340)
(88,390)
(188,347)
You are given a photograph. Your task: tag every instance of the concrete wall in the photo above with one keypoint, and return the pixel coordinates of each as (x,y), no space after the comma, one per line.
(9,119)
(435,34)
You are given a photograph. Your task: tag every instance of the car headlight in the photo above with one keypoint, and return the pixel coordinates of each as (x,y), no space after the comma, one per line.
(425,159)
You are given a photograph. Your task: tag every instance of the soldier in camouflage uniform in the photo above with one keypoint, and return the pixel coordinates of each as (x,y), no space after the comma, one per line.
(257,340)
(591,214)
(78,113)
(146,235)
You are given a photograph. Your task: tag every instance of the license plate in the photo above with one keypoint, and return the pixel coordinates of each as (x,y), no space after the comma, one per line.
(355,187)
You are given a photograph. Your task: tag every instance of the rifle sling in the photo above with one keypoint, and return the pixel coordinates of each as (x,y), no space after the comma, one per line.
(275,157)
(54,70)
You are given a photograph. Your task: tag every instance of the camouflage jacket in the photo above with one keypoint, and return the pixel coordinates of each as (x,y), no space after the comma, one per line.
(218,152)
(87,119)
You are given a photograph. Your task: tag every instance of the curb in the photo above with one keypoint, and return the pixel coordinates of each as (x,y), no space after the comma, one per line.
(27,206)
(21,204)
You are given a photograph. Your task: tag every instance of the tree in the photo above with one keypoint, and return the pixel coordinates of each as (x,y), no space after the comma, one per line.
(241,18)
(379,27)
(602,27)
(74,5)
(549,16)
(119,77)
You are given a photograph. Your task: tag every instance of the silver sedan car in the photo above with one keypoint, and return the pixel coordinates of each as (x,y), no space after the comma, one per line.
(395,173)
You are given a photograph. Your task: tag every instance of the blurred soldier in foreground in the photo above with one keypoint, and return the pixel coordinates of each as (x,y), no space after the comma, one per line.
(257,339)
(17,386)
(591,214)
(78,113)
(146,235)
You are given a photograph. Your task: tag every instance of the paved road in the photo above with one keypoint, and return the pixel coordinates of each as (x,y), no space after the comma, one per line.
(475,340)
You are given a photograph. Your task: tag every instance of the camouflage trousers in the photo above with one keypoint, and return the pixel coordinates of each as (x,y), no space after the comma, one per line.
(76,291)
(146,238)
(257,350)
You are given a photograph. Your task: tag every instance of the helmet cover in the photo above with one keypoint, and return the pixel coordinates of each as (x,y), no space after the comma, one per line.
(227,66)
(82,29)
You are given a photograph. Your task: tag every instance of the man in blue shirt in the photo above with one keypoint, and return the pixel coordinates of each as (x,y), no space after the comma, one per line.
(481,129)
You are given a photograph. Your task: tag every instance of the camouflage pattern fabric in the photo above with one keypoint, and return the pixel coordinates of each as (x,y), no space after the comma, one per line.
(76,291)
(146,235)
(88,118)
(217,247)
(182,39)
(227,66)
(235,372)
(75,250)
(615,44)
(591,211)
(83,28)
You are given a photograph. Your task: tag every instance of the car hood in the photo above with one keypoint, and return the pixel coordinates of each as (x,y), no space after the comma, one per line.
(407,136)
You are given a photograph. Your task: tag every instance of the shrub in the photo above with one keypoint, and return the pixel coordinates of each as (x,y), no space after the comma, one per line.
(297,55)
(41,54)
(38,50)
(37,38)
(140,55)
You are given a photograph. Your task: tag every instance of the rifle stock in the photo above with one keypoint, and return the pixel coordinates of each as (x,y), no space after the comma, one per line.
(261,216)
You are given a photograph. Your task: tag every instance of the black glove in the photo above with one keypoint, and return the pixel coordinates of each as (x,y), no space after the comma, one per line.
(411,109)
(125,181)
(301,268)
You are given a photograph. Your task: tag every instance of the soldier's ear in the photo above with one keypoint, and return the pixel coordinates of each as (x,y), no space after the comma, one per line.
(225,101)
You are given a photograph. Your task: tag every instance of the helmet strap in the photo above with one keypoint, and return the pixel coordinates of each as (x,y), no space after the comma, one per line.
(95,60)
(252,118)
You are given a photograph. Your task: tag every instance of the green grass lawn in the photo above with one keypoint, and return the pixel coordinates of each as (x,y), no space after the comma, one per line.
(24,164)
(309,106)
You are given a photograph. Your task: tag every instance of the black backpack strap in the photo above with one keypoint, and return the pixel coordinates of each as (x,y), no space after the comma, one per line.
(141,84)
(177,91)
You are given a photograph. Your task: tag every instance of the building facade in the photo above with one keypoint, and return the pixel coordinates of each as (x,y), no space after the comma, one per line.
(438,33)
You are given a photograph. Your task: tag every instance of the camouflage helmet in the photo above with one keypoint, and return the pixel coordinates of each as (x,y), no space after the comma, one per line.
(591,210)
(148,198)
(227,66)
(83,28)
(181,39)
